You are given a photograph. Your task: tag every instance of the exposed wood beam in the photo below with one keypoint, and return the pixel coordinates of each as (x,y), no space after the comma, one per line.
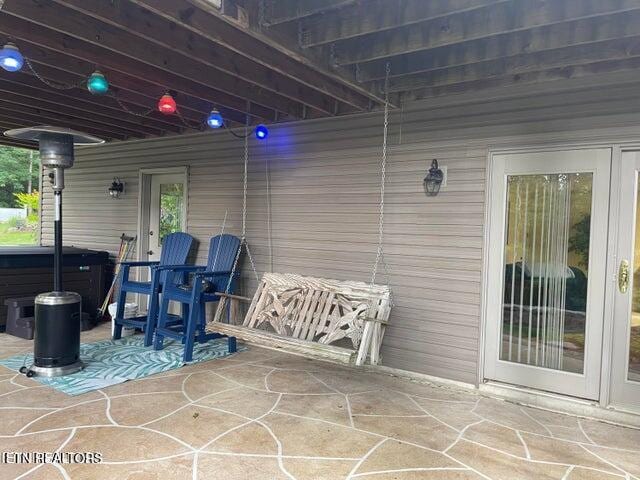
(230,66)
(35,118)
(41,115)
(281,11)
(551,37)
(16,96)
(377,16)
(138,94)
(512,16)
(78,35)
(27,85)
(554,74)
(260,48)
(159,39)
(619,49)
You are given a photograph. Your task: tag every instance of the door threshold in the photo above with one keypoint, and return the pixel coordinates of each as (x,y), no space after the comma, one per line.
(579,407)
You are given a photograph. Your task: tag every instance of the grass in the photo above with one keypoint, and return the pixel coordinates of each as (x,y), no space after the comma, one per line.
(16,238)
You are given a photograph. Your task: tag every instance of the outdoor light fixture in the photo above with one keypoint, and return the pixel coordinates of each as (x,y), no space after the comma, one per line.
(261,132)
(116,189)
(97,84)
(433,180)
(167,104)
(10,58)
(214,120)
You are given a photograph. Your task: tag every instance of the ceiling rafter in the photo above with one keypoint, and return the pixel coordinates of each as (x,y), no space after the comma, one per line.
(142,22)
(105,45)
(280,55)
(375,16)
(290,10)
(550,37)
(505,17)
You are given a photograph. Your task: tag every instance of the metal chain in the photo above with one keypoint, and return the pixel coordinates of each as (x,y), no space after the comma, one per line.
(187,124)
(56,85)
(383,177)
(132,112)
(243,239)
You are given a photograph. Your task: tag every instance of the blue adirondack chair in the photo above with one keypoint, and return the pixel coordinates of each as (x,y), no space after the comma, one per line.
(175,249)
(206,280)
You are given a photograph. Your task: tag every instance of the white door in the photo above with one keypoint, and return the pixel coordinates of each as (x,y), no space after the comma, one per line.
(547,269)
(167,210)
(625,372)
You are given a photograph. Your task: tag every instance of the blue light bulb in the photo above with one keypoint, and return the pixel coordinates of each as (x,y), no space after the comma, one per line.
(215,120)
(261,132)
(10,58)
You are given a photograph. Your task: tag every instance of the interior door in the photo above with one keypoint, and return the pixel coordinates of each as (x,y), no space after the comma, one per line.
(167,210)
(547,268)
(625,373)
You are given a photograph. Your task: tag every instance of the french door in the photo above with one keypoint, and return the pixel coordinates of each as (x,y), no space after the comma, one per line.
(167,210)
(547,269)
(625,372)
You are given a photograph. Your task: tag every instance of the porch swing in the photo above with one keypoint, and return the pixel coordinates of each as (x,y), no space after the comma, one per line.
(309,315)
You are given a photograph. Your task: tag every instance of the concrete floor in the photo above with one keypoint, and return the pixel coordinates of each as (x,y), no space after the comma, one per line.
(262,414)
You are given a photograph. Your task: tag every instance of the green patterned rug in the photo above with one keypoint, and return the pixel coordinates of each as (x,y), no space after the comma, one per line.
(110,362)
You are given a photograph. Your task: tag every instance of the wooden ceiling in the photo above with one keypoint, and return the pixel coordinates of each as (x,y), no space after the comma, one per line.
(281,60)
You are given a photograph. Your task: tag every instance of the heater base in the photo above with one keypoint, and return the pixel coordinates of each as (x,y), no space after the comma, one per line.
(35,371)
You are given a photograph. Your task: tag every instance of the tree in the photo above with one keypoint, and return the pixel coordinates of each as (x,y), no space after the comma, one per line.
(15,175)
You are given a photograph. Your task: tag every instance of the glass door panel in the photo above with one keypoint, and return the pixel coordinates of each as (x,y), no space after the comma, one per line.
(625,373)
(548,217)
(546,269)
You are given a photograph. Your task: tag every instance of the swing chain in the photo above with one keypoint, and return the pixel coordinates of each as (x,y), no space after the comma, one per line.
(243,239)
(383,176)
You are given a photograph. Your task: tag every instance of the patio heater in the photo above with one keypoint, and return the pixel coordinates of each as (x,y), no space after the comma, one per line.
(56,348)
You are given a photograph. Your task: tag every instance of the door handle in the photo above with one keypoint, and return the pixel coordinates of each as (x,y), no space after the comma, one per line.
(623,276)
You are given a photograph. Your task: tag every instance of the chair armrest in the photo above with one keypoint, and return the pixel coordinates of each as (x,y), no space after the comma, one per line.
(180,268)
(139,264)
(213,274)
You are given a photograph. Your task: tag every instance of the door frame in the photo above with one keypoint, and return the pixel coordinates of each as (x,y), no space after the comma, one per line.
(612,285)
(144,199)
(494,227)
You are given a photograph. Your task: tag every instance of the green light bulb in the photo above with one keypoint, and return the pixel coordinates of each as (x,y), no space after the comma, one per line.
(97,83)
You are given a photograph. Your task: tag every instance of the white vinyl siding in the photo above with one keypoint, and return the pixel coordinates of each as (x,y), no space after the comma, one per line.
(324,186)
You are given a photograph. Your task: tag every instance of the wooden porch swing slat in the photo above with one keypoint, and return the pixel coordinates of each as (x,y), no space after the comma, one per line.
(308,315)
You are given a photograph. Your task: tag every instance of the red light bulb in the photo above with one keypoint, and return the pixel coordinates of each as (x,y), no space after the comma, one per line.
(167,104)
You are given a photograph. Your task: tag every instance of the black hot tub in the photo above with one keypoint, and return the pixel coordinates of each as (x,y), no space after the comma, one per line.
(28,271)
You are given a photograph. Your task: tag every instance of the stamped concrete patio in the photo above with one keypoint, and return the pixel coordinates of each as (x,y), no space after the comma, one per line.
(262,414)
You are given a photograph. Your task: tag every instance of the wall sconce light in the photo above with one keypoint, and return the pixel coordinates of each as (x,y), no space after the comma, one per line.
(433,180)
(116,189)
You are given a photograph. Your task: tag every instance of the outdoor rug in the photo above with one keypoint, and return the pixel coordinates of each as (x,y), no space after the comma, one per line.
(109,362)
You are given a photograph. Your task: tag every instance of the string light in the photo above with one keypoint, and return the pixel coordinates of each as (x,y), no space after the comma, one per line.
(97,84)
(167,104)
(215,120)
(261,132)
(10,58)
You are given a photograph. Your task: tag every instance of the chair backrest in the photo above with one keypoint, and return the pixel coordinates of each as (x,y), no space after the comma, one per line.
(222,252)
(175,250)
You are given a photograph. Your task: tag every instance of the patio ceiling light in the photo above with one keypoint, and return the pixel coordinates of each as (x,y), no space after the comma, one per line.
(215,120)
(434,179)
(97,84)
(167,104)
(261,132)
(10,58)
